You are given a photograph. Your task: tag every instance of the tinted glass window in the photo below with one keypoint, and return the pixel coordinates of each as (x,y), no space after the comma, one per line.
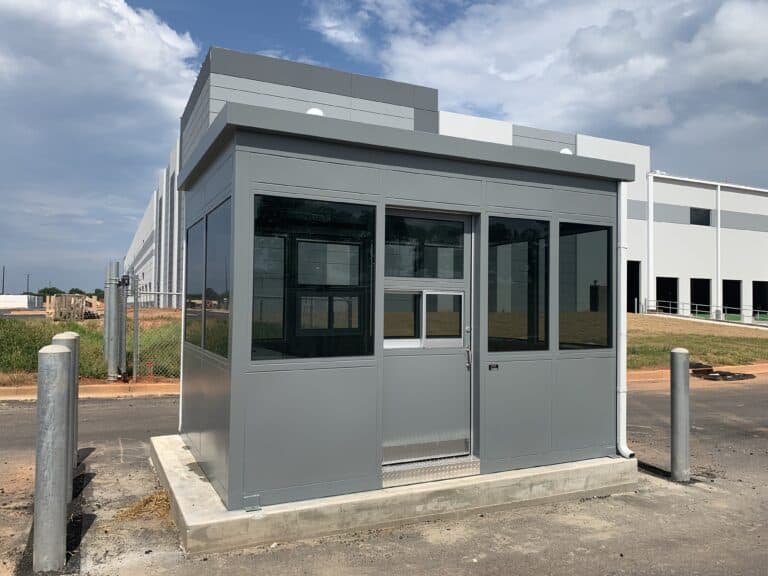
(402,315)
(424,248)
(585,286)
(700,216)
(193,306)
(312,278)
(444,316)
(217,271)
(518,284)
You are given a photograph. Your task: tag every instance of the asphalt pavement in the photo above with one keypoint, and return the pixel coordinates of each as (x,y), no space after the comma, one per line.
(715,525)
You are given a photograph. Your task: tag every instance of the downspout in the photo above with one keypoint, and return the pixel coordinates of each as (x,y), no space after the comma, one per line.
(621,316)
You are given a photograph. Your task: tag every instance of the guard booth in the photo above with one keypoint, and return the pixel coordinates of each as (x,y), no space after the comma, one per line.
(371,303)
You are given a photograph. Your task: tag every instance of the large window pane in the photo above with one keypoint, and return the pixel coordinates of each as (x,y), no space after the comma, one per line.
(402,315)
(312,278)
(424,248)
(518,284)
(217,271)
(444,315)
(193,306)
(585,286)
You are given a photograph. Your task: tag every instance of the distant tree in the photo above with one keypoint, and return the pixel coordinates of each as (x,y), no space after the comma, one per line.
(50,291)
(99,293)
(75,291)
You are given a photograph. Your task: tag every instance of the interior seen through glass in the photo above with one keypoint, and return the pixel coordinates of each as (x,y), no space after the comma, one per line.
(424,247)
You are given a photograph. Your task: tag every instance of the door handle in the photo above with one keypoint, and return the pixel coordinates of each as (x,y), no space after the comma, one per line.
(469,358)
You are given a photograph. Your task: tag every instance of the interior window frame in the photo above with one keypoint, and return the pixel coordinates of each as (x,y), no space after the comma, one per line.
(423,342)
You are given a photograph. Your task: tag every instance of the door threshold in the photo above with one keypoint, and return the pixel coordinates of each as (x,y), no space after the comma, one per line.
(429,470)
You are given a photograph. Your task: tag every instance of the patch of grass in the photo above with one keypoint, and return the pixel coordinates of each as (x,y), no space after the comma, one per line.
(651,337)
(20,341)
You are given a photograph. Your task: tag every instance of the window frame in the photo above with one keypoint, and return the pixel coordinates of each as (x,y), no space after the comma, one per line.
(695,211)
(611,276)
(550,296)
(423,342)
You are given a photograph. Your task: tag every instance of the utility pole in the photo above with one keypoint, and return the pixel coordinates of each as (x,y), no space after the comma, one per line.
(27,283)
(3,288)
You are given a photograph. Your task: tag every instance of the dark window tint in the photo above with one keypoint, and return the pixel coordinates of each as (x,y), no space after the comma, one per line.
(585,286)
(424,248)
(518,284)
(701,216)
(193,332)
(312,278)
(443,315)
(217,272)
(402,315)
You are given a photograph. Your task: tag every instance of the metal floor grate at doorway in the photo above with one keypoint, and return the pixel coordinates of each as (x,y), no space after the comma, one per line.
(429,470)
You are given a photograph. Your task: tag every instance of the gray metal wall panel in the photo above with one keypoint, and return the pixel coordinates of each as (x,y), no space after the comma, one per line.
(313,429)
(637,210)
(196,123)
(206,389)
(266,69)
(544,135)
(584,402)
(518,411)
(744,221)
(672,214)
(426,120)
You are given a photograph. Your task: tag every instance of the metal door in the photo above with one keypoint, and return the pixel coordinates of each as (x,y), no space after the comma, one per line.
(427,355)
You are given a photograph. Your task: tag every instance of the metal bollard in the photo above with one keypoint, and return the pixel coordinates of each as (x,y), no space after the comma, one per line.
(71,340)
(112,320)
(681,419)
(52,460)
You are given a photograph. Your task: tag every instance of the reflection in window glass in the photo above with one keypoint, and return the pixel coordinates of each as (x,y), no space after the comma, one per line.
(345,312)
(193,306)
(327,263)
(268,273)
(217,270)
(312,278)
(424,248)
(518,284)
(585,286)
(444,315)
(402,315)
(314,313)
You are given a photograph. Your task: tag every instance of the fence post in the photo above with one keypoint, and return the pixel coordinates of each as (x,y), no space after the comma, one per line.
(112,319)
(107,288)
(135,292)
(71,341)
(679,370)
(123,325)
(49,544)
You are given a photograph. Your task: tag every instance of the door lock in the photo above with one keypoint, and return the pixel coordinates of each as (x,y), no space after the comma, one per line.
(469,358)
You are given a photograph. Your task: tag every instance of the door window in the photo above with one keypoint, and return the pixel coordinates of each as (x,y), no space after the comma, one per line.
(423,319)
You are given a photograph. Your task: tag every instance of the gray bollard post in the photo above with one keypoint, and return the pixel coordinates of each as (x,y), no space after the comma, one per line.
(52,460)
(112,319)
(71,340)
(681,419)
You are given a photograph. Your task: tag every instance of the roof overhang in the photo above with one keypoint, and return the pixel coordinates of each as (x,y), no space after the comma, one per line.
(270,121)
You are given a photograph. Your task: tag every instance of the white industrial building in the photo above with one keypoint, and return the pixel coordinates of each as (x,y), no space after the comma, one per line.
(156,254)
(702,256)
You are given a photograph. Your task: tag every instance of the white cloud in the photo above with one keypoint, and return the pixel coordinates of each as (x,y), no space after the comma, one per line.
(91,94)
(636,69)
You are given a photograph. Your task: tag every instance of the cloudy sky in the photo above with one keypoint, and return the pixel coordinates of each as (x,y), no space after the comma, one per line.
(91,91)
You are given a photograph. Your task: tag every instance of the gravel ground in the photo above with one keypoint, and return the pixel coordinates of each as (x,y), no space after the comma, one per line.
(715,525)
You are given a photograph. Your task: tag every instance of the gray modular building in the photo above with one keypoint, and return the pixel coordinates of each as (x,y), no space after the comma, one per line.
(371,303)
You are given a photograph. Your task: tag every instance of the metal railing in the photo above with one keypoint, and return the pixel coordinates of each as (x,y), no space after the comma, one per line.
(745,314)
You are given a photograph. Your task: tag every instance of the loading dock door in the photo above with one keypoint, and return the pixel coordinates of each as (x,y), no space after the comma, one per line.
(427,356)
(700,297)
(760,300)
(666,295)
(732,299)
(633,286)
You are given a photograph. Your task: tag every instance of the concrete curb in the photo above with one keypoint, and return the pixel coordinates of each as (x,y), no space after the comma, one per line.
(98,391)
(205,525)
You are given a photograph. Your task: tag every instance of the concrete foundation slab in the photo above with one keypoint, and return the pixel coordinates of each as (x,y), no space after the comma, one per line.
(206,525)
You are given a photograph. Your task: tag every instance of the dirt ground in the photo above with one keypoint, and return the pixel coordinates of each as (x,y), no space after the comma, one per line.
(715,525)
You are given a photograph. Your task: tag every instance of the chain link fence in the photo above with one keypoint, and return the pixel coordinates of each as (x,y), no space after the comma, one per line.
(153,335)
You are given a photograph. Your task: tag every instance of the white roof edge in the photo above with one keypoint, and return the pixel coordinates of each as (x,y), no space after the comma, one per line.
(657,175)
